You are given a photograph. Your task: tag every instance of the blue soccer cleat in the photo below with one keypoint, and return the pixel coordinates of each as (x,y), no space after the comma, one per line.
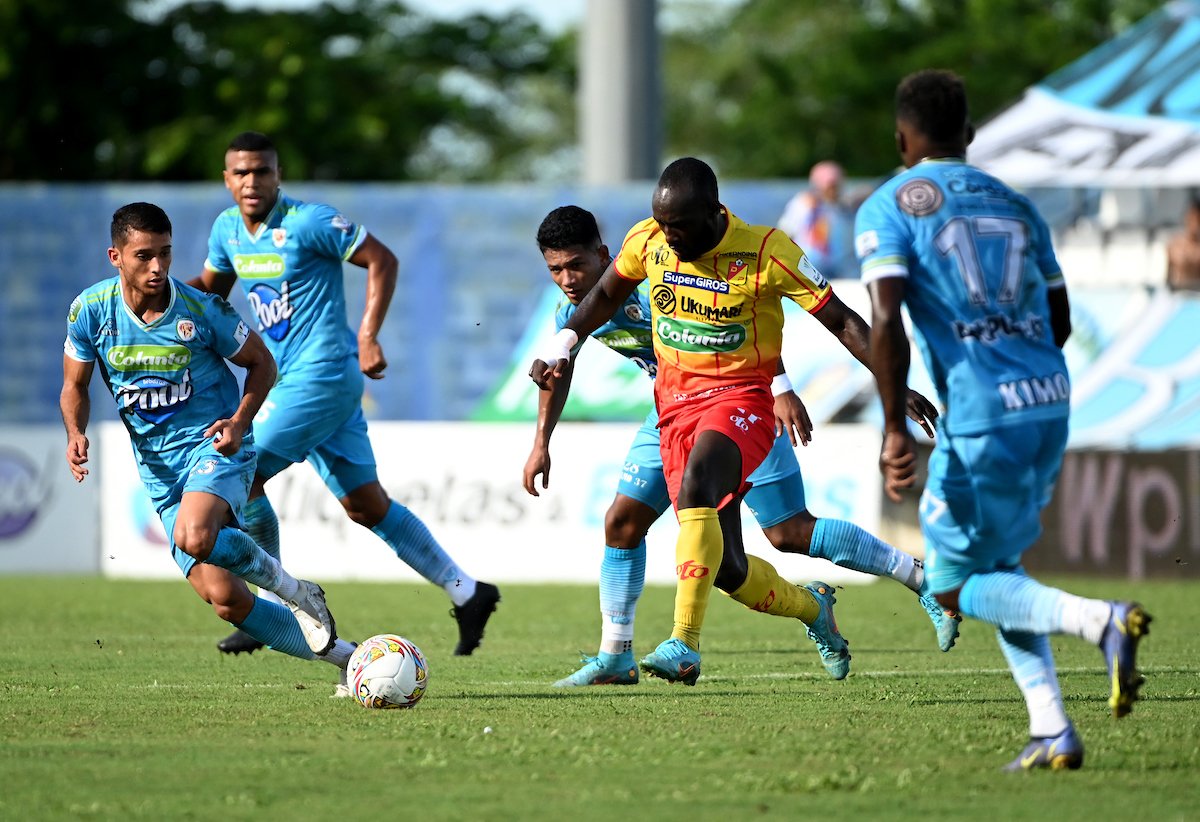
(605,669)
(1119,643)
(1057,753)
(945,622)
(673,661)
(835,650)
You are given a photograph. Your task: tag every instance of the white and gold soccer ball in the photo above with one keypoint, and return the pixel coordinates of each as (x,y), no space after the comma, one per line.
(387,671)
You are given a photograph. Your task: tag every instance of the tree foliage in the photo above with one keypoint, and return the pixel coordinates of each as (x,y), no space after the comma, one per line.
(776,85)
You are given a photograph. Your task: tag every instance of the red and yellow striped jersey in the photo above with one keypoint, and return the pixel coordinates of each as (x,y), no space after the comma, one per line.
(718,321)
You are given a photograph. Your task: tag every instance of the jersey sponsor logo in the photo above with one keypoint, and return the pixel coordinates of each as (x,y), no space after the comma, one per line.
(994,326)
(919,197)
(809,270)
(1035,391)
(660,255)
(272,308)
(745,255)
(342,224)
(663,298)
(258,266)
(689,305)
(241,333)
(148,357)
(691,570)
(279,237)
(155,399)
(185,330)
(693,281)
(866,243)
(624,340)
(69,347)
(73,311)
(108,328)
(694,337)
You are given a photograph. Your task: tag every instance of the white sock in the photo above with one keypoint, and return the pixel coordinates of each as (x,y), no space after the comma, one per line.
(266,595)
(339,654)
(907,570)
(1047,716)
(288,586)
(1085,618)
(460,589)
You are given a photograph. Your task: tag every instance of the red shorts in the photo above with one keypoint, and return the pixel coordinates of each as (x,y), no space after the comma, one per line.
(745,414)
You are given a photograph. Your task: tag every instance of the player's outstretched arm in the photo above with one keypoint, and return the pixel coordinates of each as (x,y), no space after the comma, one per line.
(76,408)
(550,406)
(889,363)
(382,271)
(260,376)
(594,311)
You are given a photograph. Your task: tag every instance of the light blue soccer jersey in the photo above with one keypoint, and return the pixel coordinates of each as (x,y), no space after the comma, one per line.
(169,377)
(628,332)
(291,272)
(978,261)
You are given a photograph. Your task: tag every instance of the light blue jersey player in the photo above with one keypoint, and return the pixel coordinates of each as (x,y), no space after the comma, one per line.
(161,347)
(288,256)
(571,246)
(973,262)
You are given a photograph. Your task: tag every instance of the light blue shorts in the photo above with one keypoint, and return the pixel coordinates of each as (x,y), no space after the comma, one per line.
(777,493)
(981,509)
(212,473)
(318,419)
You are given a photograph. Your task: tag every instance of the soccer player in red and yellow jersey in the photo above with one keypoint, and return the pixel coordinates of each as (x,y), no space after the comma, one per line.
(716,286)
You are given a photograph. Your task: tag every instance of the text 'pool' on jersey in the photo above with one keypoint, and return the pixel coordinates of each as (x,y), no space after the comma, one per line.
(272,308)
(155,399)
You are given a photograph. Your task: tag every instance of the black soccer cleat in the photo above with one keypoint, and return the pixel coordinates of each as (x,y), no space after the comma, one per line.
(237,642)
(473,615)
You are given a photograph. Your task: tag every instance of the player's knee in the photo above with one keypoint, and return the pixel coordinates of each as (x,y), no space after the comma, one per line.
(793,535)
(732,573)
(622,529)
(196,539)
(367,506)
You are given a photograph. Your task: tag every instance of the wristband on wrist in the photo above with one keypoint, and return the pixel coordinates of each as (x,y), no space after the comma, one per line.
(781,384)
(558,347)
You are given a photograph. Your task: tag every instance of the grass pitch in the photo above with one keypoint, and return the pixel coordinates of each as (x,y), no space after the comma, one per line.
(116,705)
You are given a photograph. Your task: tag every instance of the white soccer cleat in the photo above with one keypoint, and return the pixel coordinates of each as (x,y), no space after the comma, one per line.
(316,623)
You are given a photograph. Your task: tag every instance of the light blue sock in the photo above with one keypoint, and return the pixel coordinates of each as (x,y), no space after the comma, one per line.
(262,525)
(276,627)
(1032,665)
(845,544)
(405,534)
(237,553)
(1015,602)
(622,578)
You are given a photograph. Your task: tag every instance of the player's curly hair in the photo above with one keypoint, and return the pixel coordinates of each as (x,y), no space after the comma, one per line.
(935,102)
(252,141)
(568,226)
(691,174)
(145,217)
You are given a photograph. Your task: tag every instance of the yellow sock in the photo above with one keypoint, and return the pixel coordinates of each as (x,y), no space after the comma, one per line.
(766,591)
(697,557)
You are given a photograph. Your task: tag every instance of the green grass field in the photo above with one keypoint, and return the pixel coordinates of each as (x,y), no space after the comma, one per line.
(116,705)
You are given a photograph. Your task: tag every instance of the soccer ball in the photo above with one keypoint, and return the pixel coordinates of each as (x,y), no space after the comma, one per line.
(387,671)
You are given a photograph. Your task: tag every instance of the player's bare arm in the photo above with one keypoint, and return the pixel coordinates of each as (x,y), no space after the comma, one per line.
(550,406)
(76,407)
(890,363)
(214,282)
(1060,315)
(594,310)
(260,376)
(382,269)
(790,414)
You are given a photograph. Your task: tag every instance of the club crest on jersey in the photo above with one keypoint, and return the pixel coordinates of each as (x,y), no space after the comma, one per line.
(919,197)
(736,267)
(185,330)
(279,237)
(155,399)
(694,281)
(634,312)
(272,308)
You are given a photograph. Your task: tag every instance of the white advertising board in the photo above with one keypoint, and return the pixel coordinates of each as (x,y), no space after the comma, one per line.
(47,520)
(464,481)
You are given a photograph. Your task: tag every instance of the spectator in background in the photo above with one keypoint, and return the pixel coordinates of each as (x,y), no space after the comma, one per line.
(819,222)
(1183,252)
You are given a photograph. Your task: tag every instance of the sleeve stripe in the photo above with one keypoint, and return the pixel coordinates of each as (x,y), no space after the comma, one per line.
(883,268)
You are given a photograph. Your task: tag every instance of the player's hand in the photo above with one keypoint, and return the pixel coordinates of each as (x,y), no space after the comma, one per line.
(898,463)
(370,358)
(921,411)
(77,456)
(226,437)
(542,372)
(791,416)
(538,463)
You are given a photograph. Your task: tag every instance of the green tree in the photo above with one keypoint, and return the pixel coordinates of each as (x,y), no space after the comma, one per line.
(772,86)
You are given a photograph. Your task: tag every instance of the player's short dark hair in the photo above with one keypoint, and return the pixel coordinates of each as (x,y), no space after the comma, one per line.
(145,217)
(568,226)
(252,141)
(688,173)
(935,102)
